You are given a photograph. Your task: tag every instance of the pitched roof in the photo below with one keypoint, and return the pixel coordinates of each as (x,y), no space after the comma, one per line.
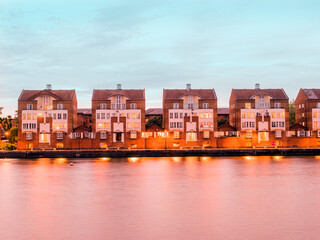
(28,95)
(312,93)
(249,93)
(154,111)
(223,110)
(173,94)
(104,94)
(297,127)
(84,111)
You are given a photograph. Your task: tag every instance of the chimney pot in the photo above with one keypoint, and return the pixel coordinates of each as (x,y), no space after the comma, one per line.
(188,87)
(119,87)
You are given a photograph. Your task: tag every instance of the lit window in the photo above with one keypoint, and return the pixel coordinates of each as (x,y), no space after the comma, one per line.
(44,138)
(248,134)
(248,105)
(206,134)
(29,136)
(176,134)
(191,137)
(133,135)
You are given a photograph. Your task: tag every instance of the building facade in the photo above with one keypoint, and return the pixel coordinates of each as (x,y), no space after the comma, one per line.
(190,117)
(46,118)
(307,109)
(118,117)
(262,116)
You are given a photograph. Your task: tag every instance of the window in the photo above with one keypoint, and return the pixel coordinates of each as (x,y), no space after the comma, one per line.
(248,134)
(133,135)
(181,115)
(133,106)
(59,135)
(176,106)
(176,134)
(318,105)
(59,115)
(34,116)
(205,105)
(302,105)
(29,116)
(98,115)
(277,105)
(29,106)
(103,135)
(171,115)
(248,105)
(59,106)
(29,136)
(176,115)
(103,106)
(44,138)
(108,115)
(118,102)
(54,116)
(25,126)
(191,137)
(278,134)
(64,116)
(103,116)
(206,134)
(179,124)
(299,105)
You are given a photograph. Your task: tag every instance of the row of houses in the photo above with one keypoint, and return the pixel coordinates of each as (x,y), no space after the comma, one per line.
(50,119)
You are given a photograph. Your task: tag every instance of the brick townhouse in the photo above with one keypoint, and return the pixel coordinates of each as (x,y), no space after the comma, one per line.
(46,118)
(190,117)
(307,109)
(262,116)
(118,117)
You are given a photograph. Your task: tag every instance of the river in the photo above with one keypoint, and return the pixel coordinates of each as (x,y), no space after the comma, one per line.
(238,198)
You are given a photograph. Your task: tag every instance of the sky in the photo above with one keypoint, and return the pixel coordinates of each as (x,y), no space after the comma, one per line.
(156,44)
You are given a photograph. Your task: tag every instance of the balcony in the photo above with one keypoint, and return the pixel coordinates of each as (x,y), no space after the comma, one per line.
(118,106)
(191,106)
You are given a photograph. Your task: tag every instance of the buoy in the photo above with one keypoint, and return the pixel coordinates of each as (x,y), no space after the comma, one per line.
(71,164)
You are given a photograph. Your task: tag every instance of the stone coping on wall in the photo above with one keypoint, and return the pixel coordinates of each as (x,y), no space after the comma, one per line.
(160,153)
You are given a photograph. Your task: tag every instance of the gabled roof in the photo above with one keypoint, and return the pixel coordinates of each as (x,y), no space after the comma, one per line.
(223,111)
(154,111)
(29,95)
(104,94)
(297,127)
(87,111)
(249,93)
(312,93)
(175,94)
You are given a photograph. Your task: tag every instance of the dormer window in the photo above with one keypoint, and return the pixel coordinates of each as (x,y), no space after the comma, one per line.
(60,106)
(205,105)
(318,105)
(176,106)
(103,106)
(277,105)
(29,107)
(133,106)
(247,105)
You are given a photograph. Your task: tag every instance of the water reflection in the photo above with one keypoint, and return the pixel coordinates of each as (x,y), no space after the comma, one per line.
(160,198)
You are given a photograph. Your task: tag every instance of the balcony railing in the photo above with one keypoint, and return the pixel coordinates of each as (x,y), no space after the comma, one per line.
(191,106)
(118,106)
(263,105)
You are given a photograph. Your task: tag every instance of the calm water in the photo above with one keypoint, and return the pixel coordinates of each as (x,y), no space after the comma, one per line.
(161,198)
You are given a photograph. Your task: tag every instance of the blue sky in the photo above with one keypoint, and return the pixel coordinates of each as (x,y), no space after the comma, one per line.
(221,44)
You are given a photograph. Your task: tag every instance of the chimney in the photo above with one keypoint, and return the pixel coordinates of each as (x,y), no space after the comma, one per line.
(257,86)
(49,87)
(119,87)
(188,86)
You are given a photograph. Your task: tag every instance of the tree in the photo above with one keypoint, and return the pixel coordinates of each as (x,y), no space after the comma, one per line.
(222,121)
(13,135)
(154,120)
(292,114)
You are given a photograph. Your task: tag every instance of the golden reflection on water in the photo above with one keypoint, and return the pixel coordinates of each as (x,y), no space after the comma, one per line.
(133,159)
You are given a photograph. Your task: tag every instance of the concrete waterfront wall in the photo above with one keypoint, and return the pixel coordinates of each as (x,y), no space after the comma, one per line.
(160,153)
